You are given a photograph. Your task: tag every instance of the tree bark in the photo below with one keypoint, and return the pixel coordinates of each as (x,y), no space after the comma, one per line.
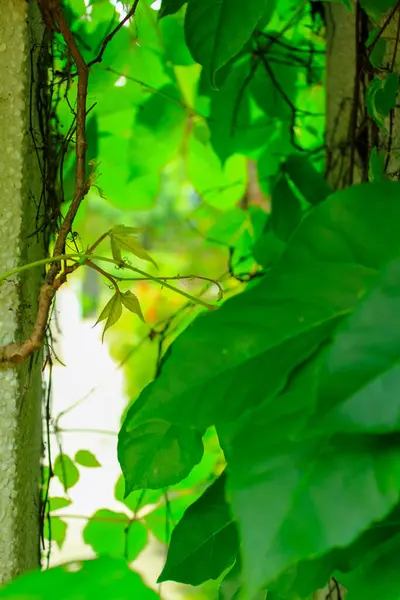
(341,71)
(351,133)
(20,206)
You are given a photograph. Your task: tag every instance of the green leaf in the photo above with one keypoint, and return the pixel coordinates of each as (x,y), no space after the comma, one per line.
(217,31)
(172,32)
(205,542)
(56,503)
(381,98)
(219,185)
(131,302)
(156,453)
(229,227)
(126,230)
(64,468)
(113,534)
(124,240)
(339,452)
(161,520)
(55,530)
(86,459)
(268,249)
(236,125)
(378,53)
(272,85)
(364,398)
(91,579)
(231,586)
(112,312)
(115,250)
(376,167)
(376,8)
(286,210)
(307,179)
(287,483)
(279,323)
(377,575)
(169,7)
(157,132)
(136,499)
(301,580)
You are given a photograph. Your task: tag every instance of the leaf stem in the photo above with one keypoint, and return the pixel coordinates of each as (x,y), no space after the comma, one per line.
(90,257)
(158,280)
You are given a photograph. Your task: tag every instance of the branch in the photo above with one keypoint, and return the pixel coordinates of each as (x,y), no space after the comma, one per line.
(53,16)
(110,36)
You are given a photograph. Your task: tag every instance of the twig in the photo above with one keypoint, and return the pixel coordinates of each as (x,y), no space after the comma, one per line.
(110,36)
(53,16)
(382,29)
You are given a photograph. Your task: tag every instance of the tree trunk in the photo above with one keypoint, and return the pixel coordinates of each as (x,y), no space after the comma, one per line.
(341,70)
(351,133)
(20,205)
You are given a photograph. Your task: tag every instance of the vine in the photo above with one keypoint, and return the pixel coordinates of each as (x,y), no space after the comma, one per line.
(59,269)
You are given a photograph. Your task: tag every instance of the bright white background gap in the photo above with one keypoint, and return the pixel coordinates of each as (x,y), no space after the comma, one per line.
(90,373)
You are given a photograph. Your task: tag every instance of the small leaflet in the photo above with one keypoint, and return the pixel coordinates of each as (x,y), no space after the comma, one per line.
(112,312)
(122,238)
(131,302)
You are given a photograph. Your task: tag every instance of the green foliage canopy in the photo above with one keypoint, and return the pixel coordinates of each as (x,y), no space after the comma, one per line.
(298,373)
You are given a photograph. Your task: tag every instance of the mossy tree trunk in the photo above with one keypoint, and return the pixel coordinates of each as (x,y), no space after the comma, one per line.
(21,195)
(351,134)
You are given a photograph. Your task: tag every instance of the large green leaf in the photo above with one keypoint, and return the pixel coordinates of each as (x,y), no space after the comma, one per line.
(235,124)
(311,464)
(307,179)
(378,575)
(113,534)
(274,87)
(169,7)
(157,132)
(286,209)
(172,32)
(87,580)
(220,185)
(157,453)
(361,378)
(381,97)
(231,359)
(301,580)
(376,8)
(231,585)
(116,181)
(205,542)
(216,30)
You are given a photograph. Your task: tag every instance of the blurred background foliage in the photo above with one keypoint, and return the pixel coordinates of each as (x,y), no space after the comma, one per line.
(216,177)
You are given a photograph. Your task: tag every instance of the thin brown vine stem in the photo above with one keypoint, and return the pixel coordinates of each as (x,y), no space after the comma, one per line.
(81,184)
(80,430)
(97,242)
(161,279)
(288,25)
(383,28)
(356,96)
(53,16)
(110,278)
(110,36)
